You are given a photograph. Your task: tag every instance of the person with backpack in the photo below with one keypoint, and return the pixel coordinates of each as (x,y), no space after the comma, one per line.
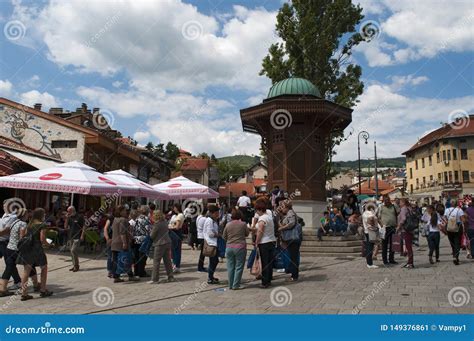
(408,222)
(11,254)
(31,253)
(454,230)
(291,234)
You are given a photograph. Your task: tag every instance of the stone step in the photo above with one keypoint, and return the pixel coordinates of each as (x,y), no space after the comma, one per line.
(338,243)
(331,254)
(330,238)
(334,249)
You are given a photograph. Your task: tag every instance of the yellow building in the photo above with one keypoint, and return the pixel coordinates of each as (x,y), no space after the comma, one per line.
(441,163)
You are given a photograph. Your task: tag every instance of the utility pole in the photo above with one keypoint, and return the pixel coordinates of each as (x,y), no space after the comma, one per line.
(376,173)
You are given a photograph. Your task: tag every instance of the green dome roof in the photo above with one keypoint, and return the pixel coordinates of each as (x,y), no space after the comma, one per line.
(293,86)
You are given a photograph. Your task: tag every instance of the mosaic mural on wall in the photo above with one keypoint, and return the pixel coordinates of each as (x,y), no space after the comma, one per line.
(22,127)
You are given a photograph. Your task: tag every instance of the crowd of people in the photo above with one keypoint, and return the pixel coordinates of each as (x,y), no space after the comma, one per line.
(378,223)
(134,235)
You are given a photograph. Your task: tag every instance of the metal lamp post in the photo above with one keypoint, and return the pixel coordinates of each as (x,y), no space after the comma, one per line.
(365,136)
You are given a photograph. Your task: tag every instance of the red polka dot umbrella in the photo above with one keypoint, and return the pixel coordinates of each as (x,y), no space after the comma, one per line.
(70,177)
(183,188)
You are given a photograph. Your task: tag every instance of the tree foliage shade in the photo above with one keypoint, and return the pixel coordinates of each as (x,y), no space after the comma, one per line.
(318,40)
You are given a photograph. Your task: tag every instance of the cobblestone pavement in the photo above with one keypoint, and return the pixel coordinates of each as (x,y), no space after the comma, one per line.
(327,286)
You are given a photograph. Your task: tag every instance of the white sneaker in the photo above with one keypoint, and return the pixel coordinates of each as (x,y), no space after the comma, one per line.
(15,287)
(176,270)
(280,270)
(372,266)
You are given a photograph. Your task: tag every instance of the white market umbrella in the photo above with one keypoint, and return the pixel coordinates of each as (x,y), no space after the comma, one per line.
(143,189)
(71,177)
(183,188)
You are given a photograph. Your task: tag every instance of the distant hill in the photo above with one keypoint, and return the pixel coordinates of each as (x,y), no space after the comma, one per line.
(395,162)
(245,161)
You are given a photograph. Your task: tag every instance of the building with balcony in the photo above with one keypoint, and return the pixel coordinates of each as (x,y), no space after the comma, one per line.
(441,163)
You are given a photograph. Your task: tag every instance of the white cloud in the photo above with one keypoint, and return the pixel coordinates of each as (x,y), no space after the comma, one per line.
(5,88)
(148,41)
(142,136)
(32,97)
(117,84)
(421,29)
(32,82)
(396,121)
(400,82)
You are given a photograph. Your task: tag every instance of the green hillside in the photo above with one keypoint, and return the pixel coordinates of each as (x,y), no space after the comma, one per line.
(396,162)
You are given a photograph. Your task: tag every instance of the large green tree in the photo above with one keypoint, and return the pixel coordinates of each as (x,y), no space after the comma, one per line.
(318,40)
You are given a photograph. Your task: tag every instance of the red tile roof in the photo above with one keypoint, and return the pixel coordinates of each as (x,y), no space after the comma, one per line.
(259,182)
(456,129)
(365,189)
(195,164)
(236,189)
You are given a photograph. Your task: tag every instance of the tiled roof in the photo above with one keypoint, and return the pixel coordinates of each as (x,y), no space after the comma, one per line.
(461,128)
(259,182)
(195,164)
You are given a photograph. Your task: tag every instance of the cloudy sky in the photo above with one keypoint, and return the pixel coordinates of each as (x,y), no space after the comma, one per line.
(180,71)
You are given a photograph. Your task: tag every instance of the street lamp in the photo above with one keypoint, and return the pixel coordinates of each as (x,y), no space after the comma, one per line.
(365,136)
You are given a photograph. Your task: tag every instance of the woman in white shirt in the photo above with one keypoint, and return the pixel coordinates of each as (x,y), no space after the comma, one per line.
(175,225)
(265,242)
(370,222)
(211,232)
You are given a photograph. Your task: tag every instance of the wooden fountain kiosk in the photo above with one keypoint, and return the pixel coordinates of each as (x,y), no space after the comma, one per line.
(294,122)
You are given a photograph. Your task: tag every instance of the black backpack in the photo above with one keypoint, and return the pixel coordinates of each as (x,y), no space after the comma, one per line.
(412,221)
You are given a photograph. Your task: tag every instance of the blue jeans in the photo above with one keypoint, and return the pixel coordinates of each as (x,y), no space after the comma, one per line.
(235,265)
(176,243)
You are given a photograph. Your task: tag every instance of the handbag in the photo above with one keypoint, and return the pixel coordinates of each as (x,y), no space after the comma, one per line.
(124,263)
(382,232)
(208,250)
(292,234)
(373,236)
(256,268)
(452,225)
